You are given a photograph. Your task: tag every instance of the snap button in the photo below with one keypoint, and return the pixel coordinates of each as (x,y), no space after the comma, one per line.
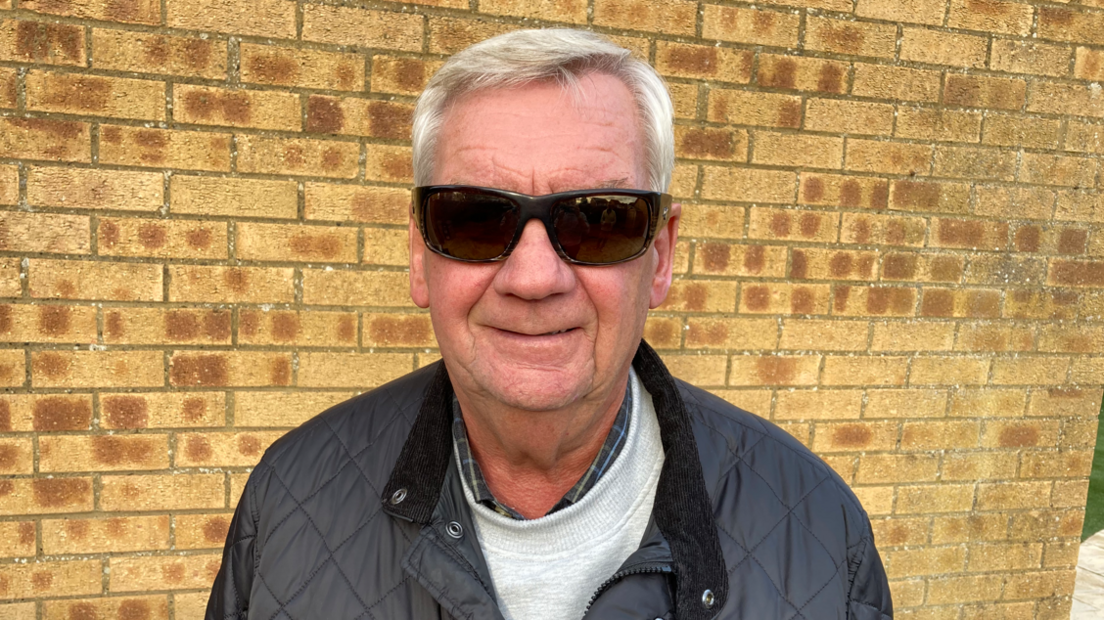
(454,529)
(707,599)
(398,496)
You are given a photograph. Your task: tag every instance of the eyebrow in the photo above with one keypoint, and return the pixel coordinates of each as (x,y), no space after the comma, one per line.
(621,183)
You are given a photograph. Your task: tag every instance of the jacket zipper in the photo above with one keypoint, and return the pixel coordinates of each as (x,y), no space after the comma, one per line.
(660,568)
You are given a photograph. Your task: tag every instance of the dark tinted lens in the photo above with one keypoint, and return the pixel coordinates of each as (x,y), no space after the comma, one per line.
(470,225)
(602,228)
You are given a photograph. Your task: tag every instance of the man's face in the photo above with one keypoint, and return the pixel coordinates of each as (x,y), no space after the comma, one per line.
(534,332)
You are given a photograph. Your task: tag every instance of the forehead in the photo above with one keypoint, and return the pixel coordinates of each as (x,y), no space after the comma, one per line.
(542,137)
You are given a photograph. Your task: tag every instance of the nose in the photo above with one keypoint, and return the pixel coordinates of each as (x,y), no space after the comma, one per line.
(534,271)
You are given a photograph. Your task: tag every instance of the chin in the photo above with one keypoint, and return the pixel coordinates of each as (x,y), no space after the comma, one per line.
(535,389)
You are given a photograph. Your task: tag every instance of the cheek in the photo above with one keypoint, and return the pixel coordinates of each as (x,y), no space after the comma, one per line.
(454,288)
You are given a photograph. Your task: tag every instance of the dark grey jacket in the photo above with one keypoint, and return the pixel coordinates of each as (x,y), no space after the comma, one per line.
(354,515)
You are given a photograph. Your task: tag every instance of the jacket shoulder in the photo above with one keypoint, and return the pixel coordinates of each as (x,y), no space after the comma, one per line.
(765,457)
(363,434)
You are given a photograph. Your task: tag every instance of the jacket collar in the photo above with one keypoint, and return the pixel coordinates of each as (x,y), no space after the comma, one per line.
(683,511)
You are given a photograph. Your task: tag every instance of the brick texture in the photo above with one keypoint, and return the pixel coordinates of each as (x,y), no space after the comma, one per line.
(892,245)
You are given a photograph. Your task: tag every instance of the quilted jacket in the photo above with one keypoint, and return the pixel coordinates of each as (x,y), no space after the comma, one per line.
(360,514)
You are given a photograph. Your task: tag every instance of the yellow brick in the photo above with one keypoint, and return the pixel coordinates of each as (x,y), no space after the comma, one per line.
(85,188)
(1057,97)
(17,539)
(399,75)
(853,117)
(963,589)
(934,498)
(989,403)
(662,332)
(784,299)
(897,531)
(352,370)
(888,157)
(9,85)
(1057,402)
(854,436)
(674,17)
(818,404)
(746,334)
(12,371)
(262,18)
(873,301)
(84,369)
(157,492)
(753,26)
(1061,464)
(793,224)
(817,264)
(326,158)
(234,197)
(907,195)
(230,284)
(144,52)
(302,329)
(159,325)
(1018,203)
(841,370)
(72,93)
(42,579)
(991,16)
(202,531)
(143,11)
(351,288)
(157,148)
(9,185)
(1020,433)
(1058,170)
(1030,370)
(282,409)
(279,242)
(36,138)
(943,48)
(237,368)
(161,238)
(795,150)
(939,435)
(896,83)
(1070,493)
(800,73)
(755,401)
(1015,130)
(774,370)
(946,370)
(148,607)
(911,403)
(1088,64)
(268,64)
(913,336)
(42,43)
(191,604)
(811,334)
(376,205)
(94,280)
(71,453)
(926,561)
(825,34)
(749,184)
(1013,495)
(970,528)
(741,107)
(222,449)
(703,62)
(896,468)
(384,246)
(64,536)
(1028,56)
(45,495)
(739,260)
(704,370)
(162,410)
(16,456)
(398,330)
(928,12)
(360,117)
(876,500)
(448,36)
(204,105)
(863,228)
(170,572)
(974,163)
(350,26)
(573,11)
(38,232)
(391,164)
(938,124)
(1069,25)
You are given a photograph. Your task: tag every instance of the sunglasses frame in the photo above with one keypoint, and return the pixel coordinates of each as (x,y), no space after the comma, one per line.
(540,207)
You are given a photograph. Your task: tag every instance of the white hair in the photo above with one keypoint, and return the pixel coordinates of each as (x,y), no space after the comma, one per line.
(563,55)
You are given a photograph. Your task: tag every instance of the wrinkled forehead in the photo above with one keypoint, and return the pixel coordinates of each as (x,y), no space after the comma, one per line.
(544,136)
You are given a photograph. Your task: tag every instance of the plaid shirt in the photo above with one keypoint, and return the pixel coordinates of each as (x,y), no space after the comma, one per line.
(473,476)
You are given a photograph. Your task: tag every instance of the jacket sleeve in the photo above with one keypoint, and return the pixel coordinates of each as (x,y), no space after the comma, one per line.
(234,581)
(869,598)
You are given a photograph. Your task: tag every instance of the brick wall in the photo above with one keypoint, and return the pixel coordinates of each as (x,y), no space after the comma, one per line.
(893,246)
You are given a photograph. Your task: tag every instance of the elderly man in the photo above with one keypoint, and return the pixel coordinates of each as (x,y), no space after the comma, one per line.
(548,467)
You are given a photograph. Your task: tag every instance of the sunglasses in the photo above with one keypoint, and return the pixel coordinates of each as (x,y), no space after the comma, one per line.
(586,227)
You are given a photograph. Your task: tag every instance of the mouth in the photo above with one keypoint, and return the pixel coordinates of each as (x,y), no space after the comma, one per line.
(531,335)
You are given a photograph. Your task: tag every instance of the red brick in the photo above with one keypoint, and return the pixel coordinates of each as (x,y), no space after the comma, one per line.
(392,330)
(401,75)
(774,370)
(817,264)
(157,148)
(843,191)
(45,496)
(144,52)
(739,260)
(970,234)
(854,436)
(799,73)
(873,301)
(17,457)
(929,196)
(710,143)
(1075,273)
(166,325)
(674,17)
(972,303)
(150,607)
(798,225)
(42,43)
(74,453)
(223,449)
(700,296)
(230,368)
(784,298)
(17,539)
(359,117)
(265,327)
(984,92)
(849,37)
(204,105)
(903,266)
(863,229)
(162,410)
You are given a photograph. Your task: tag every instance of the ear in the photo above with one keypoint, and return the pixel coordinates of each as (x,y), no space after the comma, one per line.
(666,239)
(419,290)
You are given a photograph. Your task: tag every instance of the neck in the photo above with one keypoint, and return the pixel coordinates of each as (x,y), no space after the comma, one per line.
(530,459)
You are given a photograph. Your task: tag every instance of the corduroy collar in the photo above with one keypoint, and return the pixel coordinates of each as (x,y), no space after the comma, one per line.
(683,510)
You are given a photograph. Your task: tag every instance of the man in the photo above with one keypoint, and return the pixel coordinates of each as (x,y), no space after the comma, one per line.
(549,467)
